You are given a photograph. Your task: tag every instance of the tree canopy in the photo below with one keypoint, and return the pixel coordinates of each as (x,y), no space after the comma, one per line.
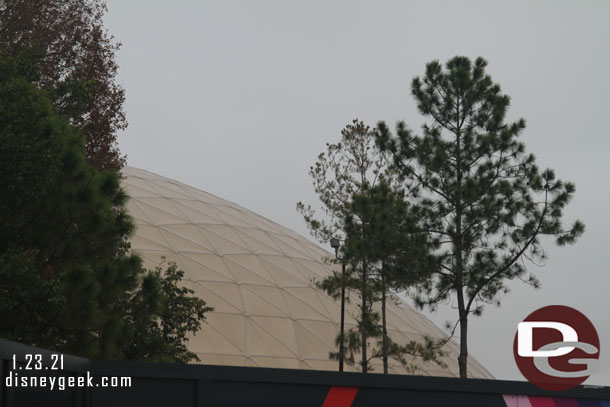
(347,168)
(362,207)
(78,67)
(68,280)
(389,253)
(480,196)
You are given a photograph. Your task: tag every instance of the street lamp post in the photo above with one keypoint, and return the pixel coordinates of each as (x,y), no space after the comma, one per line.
(334,243)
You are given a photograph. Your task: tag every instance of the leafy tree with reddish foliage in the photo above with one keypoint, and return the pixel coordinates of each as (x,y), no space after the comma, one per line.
(78,68)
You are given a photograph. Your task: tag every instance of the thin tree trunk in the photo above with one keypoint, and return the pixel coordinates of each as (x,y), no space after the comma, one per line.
(342,331)
(363,317)
(463,358)
(463,314)
(383,321)
(458,253)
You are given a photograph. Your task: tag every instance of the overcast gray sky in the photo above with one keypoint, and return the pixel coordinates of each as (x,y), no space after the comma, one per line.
(239,97)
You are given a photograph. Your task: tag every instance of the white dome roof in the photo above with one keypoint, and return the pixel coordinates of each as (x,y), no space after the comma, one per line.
(259,277)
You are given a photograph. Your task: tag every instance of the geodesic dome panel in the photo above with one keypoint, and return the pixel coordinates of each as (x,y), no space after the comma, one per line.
(260,279)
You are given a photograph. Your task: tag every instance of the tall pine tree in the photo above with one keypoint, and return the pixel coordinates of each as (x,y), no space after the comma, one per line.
(346,168)
(362,208)
(480,196)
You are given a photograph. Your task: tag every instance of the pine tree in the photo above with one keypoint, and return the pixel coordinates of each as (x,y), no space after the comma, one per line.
(347,167)
(361,207)
(382,231)
(480,196)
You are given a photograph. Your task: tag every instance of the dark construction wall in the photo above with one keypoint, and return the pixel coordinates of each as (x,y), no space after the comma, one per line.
(156,384)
